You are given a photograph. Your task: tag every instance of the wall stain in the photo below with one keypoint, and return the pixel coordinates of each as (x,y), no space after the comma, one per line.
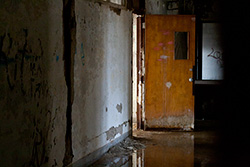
(119,107)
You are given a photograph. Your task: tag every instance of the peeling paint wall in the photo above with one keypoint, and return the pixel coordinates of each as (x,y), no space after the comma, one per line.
(32,83)
(102,76)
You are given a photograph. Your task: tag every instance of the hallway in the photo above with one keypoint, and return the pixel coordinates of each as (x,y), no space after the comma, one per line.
(74,80)
(165,148)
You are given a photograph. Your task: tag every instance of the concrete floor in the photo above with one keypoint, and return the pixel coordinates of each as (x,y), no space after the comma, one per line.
(164,148)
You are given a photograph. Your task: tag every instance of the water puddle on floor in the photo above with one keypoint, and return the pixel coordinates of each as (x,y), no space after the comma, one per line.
(162,149)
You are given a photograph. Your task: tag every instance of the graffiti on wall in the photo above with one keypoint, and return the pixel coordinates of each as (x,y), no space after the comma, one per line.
(217,55)
(22,64)
(82,55)
(212,52)
(22,69)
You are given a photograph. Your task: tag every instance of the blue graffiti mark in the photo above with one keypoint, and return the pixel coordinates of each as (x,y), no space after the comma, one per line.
(81,46)
(82,55)
(4,60)
(57,58)
(82,60)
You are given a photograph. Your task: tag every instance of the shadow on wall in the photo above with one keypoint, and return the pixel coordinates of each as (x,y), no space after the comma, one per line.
(32,84)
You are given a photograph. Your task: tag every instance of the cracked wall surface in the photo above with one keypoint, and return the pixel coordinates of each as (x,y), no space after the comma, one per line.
(69,46)
(32,83)
(64,88)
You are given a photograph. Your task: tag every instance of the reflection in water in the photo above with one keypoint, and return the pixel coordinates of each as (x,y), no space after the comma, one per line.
(160,149)
(152,149)
(138,158)
(174,149)
(124,161)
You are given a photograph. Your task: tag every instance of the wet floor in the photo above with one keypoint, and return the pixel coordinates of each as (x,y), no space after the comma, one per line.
(158,148)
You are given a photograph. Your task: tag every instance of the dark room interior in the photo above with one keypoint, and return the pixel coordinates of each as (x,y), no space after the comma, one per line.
(124,83)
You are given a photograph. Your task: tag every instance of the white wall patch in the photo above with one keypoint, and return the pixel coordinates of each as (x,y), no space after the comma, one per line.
(168,85)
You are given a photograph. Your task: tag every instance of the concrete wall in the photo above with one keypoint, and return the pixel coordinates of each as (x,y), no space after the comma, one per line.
(102,76)
(34,94)
(32,83)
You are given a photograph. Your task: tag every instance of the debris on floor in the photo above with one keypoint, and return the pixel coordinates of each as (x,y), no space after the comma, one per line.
(121,153)
(127,147)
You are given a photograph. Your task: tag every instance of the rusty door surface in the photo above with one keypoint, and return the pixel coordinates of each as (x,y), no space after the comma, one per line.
(169,100)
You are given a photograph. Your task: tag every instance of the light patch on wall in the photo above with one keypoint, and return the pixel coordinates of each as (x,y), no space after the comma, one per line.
(163,57)
(168,85)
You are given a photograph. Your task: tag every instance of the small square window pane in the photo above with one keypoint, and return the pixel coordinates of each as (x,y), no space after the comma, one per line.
(181,45)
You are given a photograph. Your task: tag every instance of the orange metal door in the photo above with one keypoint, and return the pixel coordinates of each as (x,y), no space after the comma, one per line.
(169,100)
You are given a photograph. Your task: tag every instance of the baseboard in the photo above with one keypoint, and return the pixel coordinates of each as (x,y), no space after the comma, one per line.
(92,157)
